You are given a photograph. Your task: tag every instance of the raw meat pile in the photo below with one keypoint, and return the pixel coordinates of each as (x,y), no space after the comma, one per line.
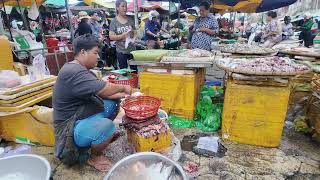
(245,49)
(153,130)
(268,65)
(140,107)
(191,53)
(147,128)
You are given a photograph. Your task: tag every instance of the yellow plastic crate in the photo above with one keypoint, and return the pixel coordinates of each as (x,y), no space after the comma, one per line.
(254,114)
(23,124)
(178,93)
(6,57)
(154,143)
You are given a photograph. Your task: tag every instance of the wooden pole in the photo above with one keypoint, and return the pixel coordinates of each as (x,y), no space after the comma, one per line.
(4,7)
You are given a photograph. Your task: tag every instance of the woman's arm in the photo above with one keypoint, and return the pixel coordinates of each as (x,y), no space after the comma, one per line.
(115,37)
(208,31)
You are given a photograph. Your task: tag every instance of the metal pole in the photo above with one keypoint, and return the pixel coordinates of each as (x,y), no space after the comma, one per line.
(40,22)
(69,19)
(25,23)
(1,25)
(135,9)
(179,4)
(4,7)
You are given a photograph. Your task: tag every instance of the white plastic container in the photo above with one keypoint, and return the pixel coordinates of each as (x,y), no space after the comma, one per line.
(26,167)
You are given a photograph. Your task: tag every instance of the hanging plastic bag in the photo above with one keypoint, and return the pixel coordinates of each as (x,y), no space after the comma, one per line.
(9,79)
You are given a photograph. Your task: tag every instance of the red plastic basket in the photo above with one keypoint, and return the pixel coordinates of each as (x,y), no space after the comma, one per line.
(141,107)
(133,82)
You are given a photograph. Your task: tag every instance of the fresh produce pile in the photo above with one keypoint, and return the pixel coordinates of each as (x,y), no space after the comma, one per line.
(263,66)
(245,49)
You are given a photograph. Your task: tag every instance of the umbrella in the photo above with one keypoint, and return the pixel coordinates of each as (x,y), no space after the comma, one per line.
(55,3)
(249,6)
(102,3)
(148,5)
(23,3)
(185,3)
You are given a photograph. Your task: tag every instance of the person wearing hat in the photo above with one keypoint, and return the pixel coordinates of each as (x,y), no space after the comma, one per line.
(305,29)
(287,30)
(84,26)
(152,28)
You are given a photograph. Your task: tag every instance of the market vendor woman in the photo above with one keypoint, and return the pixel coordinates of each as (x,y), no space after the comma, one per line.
(122,28)
(84,108)
(204,28)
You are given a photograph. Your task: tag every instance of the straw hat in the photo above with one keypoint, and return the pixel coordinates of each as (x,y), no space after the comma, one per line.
(83,15)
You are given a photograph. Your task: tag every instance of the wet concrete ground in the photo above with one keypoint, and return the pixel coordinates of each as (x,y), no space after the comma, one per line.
(297,158)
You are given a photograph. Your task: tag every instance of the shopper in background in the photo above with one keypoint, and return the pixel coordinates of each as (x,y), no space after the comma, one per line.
(122,29)
(273,30)
(84,26)
(96,27)
(152,30)
(306,34)
(204,28)
(287,30)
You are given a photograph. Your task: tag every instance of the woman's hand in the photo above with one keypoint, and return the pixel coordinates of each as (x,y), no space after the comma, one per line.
(125,35)
(205,30)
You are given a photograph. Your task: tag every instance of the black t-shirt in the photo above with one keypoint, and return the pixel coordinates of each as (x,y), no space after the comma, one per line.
(73,88)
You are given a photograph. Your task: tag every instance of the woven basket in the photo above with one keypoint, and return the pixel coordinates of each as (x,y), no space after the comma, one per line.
(259,73)
(187,59)
(267,51)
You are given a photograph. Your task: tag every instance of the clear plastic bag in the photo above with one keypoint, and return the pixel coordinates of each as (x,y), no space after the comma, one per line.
(9,79)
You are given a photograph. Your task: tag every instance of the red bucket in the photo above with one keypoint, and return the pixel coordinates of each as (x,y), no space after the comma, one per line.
(52,44)
(133,82)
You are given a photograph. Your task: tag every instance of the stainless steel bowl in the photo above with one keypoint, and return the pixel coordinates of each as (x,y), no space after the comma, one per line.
(122,167)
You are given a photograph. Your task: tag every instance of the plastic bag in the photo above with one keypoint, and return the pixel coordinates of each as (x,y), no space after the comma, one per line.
(39,65)
(209,108)
(178,122)
(43,114)
(9,79)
